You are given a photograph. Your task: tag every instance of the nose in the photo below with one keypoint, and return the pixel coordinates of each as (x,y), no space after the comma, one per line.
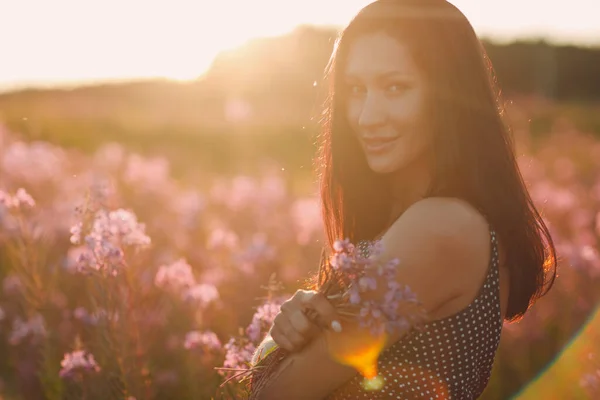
(372,112)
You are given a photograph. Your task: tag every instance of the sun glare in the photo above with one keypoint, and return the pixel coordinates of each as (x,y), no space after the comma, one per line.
(69,41)
(232,23)
(176,39)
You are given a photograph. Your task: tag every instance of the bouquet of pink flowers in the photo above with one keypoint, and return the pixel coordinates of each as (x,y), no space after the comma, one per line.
(363,288)
(360,272)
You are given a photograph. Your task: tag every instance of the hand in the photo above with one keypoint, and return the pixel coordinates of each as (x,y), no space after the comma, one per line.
(292,329)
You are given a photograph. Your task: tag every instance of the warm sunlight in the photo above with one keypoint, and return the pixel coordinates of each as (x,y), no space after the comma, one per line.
(134,39)
(67,40)
(194,206)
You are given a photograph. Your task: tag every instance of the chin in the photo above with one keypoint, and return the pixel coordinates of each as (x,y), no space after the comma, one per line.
(383,168)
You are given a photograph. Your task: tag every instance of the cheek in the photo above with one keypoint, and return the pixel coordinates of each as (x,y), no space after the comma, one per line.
(407,110)
(418,144)
(353,110)
(418,140)
(410,123)
(409,117)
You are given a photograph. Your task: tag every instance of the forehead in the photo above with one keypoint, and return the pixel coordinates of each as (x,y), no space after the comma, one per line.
(374,54)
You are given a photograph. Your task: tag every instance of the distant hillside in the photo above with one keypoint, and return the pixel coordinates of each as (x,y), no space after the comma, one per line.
(271,82)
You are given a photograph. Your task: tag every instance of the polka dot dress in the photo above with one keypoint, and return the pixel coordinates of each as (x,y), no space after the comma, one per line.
(450,358)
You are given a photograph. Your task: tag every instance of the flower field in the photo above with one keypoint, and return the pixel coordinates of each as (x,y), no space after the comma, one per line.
(120,280)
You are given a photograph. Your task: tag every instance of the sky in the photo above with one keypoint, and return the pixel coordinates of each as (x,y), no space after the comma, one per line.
(62,42)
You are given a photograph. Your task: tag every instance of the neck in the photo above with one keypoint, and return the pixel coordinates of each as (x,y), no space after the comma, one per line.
(409,185)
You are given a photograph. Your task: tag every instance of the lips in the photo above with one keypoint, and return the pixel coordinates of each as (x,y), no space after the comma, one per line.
(378,143)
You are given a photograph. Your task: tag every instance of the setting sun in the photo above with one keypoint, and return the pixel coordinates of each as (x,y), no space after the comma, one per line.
(71,41)
(113,39)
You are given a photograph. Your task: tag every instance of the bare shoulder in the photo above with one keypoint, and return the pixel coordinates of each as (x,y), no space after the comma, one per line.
(443,244)
(448,220)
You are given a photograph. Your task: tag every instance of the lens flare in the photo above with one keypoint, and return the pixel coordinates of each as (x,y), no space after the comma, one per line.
(562,377)
(358,348)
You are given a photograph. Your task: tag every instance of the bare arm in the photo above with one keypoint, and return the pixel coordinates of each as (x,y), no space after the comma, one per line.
(442,245)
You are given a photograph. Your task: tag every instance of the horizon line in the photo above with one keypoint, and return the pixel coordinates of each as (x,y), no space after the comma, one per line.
(41,84)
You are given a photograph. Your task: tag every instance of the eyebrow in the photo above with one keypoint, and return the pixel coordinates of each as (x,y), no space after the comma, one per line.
(382,76)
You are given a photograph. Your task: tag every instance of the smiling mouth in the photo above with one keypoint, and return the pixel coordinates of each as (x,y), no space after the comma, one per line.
(376,145)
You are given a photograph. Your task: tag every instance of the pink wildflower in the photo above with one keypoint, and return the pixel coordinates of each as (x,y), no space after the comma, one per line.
(256,252)
(21,199)
(262,320)
(208,340)
(147,174)
(364,274)
(237,356)
(202,293)
(175,276)
(111,232)
(77,362)
(222,238)
(34,328)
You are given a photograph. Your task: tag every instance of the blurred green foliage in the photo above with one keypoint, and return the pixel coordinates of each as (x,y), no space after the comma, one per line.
(280,82)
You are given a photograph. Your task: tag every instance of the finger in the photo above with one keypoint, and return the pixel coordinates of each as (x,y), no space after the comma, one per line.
(286,306)
(300,300)
(325,310)
(313,316)
(301,296)
(302,324)
(283,324)
(292,335)
(294,301)
(281,340)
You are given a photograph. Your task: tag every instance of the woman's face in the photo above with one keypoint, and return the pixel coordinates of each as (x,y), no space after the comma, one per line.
(385,96)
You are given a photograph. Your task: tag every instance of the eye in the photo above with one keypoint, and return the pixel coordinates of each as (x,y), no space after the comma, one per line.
(354,90)
(397,87)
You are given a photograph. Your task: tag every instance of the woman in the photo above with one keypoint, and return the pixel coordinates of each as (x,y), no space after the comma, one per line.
(415,153)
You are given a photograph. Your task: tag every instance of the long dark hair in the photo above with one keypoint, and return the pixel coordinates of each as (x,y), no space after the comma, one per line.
(472,145)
